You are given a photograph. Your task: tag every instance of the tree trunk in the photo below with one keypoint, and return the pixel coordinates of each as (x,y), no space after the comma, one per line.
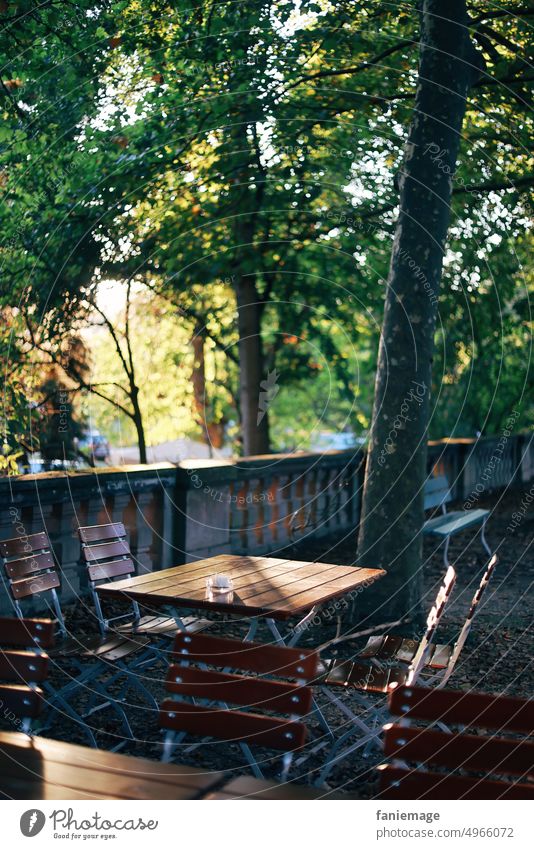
(137,418)
(392,509)
(254,418)
(198,379)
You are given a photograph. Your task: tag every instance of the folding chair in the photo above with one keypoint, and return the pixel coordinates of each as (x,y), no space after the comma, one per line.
(31,573)
(107,554)
(446,525)
(440,657)
(426,763)
(23,668)
(395,661)
(259,696)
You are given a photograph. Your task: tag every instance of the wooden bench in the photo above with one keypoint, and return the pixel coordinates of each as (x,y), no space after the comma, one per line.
(266,712)
(445,525)
(473,763)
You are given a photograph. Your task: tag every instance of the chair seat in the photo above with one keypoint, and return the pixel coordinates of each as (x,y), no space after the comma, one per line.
(359,676)
(403,650)
(451,523)
(109,648)
(163,626)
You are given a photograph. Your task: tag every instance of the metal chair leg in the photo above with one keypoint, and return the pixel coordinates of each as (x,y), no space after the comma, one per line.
(483,539)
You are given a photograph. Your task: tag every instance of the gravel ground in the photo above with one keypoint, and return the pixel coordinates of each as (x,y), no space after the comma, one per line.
(497,658)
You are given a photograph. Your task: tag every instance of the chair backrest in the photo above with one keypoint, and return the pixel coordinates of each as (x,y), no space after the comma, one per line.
(106,552)
(466,627)
(23,666)
(436,492)
(255,695)
(504,761)
(31,570)
(107,555)
(432,623)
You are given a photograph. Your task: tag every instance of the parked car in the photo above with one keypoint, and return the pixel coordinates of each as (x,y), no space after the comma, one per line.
(95,444)
(331,441)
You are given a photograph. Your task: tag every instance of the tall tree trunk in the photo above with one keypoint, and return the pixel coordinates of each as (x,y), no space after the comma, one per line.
(137,418)
(254,421)
(392,509)
(198,379)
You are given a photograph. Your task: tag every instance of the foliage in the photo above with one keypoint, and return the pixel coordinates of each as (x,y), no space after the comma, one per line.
(137,141)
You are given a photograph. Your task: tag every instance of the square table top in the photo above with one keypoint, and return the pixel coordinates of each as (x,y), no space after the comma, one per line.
(40,768)
(262,586)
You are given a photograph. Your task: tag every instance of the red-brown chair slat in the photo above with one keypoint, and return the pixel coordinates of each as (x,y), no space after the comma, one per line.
(100,533)
(249,657)
(259,693)
(234,725)
(400,783)
(23,667)
(453,707)
(21,701)
(484,753)
(24,545)
(105,550)
(27,565)
(24,633)
(38,584)
(112,569)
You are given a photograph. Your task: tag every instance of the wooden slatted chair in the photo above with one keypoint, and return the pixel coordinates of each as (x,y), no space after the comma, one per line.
(107,554)
(271,710)
(445,525)
(460,764)
(31,574)
(23,668)
(441,657)
(391,662)
(375,679)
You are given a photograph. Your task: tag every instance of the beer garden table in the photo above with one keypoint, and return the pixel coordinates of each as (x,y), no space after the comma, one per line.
(265,589)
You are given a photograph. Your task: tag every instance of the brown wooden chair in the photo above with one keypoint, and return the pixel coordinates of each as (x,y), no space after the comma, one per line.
(428,763)
(376,680)
(441,657)
(23,668)
(107,554)
(32,575)
(270,710)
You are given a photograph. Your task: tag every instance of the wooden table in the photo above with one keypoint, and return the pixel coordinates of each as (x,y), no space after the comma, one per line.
(263,588)
(39,768)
